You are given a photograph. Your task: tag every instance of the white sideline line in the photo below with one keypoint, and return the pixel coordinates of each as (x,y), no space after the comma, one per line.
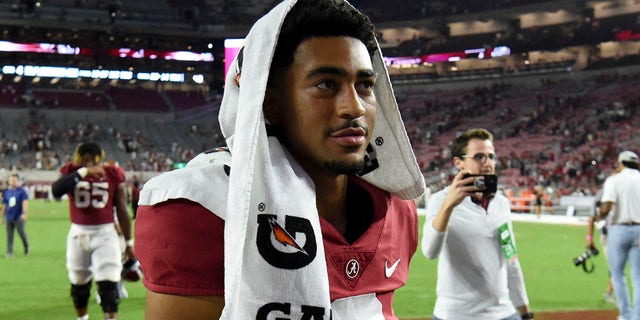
(552,219)
(544,218)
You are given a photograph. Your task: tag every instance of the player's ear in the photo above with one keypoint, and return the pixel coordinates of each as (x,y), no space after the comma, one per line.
(239,60)
(270,106)
(458,163)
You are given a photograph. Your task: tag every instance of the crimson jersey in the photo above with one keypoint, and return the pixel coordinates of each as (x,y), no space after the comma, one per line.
(378,262)
(91,201)
(180,246)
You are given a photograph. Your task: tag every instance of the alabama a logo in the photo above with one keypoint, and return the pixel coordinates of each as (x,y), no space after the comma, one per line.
(291,246)
(352,269)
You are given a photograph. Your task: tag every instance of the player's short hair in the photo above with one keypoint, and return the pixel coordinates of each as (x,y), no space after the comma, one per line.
(320,18)
(459,146)
(88,148)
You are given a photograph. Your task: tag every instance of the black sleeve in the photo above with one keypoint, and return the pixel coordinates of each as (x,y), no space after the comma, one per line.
(65,184)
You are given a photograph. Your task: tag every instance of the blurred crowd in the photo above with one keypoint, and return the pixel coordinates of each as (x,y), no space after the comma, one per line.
(558,133)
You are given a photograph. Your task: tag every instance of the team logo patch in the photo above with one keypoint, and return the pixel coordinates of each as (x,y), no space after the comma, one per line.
(352,269)
(291,246)
(352,265)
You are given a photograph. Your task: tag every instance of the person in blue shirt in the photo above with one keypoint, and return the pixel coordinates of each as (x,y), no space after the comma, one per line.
(14,209)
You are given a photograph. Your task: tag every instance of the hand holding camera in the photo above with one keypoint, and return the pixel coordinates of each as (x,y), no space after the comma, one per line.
(486,183)
(582,259)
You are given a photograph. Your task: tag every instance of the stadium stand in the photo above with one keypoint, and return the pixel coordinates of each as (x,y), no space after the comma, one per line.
(138,99)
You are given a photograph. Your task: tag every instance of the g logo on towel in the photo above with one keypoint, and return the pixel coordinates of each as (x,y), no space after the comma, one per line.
(291,247)
(277,309)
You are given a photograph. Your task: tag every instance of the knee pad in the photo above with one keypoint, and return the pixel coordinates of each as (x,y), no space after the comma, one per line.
(109,298)
(80,295)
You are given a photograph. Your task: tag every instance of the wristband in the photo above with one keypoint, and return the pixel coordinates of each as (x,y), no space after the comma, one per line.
(83,172)
(589,237)
(129,243)
(527,316)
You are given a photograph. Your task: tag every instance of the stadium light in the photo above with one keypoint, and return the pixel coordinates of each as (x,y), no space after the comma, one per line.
(75,73)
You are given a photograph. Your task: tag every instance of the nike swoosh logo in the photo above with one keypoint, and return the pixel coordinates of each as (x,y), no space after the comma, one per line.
(388,271)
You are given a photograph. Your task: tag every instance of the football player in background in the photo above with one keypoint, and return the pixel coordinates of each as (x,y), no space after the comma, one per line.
(93,246)
(130,267)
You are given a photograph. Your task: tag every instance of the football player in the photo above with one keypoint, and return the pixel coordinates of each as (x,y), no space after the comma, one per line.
(93,247)
(312,73)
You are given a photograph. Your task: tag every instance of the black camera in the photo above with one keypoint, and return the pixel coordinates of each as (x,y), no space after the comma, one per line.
(487,183)
(582,259)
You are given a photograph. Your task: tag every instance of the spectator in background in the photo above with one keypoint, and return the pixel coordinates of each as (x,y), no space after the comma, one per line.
(470,232)
(539,200)
(14,209)
(621,200)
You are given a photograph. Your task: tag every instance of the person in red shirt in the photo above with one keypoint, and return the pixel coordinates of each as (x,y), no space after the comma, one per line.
(326,84)
(93,246)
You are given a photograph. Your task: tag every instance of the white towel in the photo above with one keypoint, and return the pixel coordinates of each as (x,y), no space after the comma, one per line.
(265,181)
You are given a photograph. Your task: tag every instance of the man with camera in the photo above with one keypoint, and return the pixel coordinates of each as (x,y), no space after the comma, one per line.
(621,199)
(468,228)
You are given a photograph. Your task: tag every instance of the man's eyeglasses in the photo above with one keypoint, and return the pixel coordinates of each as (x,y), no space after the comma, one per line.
(482,157)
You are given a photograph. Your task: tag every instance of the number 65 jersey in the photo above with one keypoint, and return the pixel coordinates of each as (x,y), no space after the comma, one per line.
(91,201)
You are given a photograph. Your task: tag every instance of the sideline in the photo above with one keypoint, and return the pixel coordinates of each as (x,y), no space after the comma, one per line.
(550,218)
(544,218)
(566,315)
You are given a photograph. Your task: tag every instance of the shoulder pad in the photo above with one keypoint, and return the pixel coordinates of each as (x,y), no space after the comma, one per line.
(205,182)
(216,155)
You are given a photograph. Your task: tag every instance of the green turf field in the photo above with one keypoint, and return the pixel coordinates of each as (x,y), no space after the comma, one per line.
(36,287)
